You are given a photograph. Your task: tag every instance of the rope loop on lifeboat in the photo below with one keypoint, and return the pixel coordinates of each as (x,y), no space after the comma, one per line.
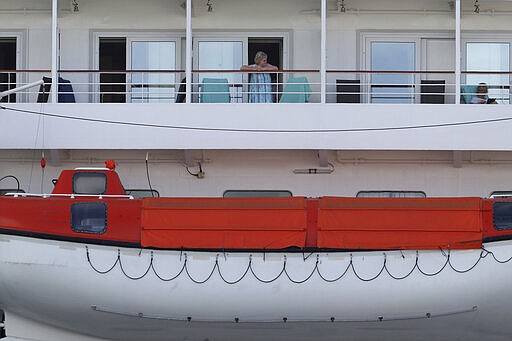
(316,269)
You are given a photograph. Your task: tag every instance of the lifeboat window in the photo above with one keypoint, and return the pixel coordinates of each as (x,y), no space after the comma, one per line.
(89,183)
(142,193)
(89,217)
(257,194)
(501,194)
(4,191)
(502,215)
(391,194)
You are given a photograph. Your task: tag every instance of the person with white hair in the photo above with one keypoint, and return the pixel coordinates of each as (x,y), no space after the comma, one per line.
(260,83)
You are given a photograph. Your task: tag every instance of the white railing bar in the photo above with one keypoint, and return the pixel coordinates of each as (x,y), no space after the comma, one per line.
(20,88)
(72,196)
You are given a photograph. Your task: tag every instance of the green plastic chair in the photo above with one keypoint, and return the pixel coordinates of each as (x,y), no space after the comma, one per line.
(296,90)
(215,90)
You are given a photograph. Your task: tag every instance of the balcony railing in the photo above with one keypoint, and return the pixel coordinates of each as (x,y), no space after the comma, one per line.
(234,86)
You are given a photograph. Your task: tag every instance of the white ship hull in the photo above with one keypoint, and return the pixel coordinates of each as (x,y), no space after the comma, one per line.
(432,296)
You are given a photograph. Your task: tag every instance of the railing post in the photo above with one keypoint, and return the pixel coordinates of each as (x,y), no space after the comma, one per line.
(55,52)
(457,51)
(188,54)
(323,52)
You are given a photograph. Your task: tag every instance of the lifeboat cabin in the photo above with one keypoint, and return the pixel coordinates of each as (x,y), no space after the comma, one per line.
(91,206)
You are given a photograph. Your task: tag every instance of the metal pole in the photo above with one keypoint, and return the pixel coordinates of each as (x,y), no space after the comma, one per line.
(323,52)
(188,54)
(21,88)
(457,51)
(53,91)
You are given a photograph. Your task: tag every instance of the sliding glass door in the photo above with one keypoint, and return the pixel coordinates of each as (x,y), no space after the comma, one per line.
(149,85)
(137,67)
(390,81)
(222,55)
(489,57)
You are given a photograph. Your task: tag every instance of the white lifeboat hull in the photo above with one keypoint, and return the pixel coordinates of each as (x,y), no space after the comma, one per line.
(131,294)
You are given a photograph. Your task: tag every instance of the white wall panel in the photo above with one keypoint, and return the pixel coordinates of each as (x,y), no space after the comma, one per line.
(431,172)
(361,126)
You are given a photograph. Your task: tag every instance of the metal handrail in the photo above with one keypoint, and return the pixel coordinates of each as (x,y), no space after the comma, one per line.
(256,71)
(91,88)
(72,196)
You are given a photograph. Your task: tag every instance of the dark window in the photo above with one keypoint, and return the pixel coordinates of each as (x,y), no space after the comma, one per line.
(256,194)
(391,194)
(89,217)
(8,63)
(3,191)
(89,183)
(112,57)
(2,329)
(502,215)
(142,193)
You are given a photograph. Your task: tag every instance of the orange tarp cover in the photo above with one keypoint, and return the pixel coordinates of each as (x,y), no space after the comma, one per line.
(368,223)
(229,223)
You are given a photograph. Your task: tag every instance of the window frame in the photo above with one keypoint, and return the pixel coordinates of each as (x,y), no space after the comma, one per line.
(4,191)
(509,225)
(257,191)
(493,38)
(200,35)
(172,35)
(500,194)
(129,191)
(392,191)
(82,204)
(366,37)
(180,38)
(243,36)
(223,38)
(96,173)
(129,59)
(21,60)
(370,81)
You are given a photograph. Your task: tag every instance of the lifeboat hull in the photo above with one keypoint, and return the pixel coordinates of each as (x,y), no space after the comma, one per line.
(131,294)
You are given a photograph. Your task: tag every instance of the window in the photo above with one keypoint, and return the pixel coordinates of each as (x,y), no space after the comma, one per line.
(153,87)
(492,57)
(142,193)
(112,57)
(8,62)
(157,53)
(501,194)
(89,183)
(502,215)
(257,194)
(3,191)
(408,53)
(392,87)
(222,55)
(89,217)
(229,51)
(391,194)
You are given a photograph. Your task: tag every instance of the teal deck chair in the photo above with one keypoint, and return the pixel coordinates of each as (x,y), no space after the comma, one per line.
(467,92)
(297,90)
(215,90)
